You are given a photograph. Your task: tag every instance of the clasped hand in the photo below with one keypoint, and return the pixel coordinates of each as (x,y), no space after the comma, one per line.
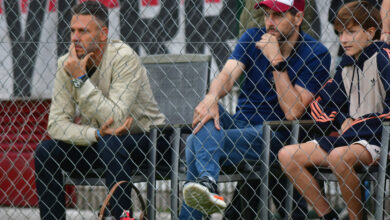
(346,124)
(270,48)
(121,130)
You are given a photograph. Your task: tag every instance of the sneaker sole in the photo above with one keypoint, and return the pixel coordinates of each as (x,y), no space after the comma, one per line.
(198,197)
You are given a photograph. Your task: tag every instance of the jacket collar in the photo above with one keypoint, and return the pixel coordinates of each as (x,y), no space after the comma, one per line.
(367,53)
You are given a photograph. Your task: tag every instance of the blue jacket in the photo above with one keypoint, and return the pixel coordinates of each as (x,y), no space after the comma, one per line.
(335,102)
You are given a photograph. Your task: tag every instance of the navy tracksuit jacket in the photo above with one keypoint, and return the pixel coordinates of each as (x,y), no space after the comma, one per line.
(332,104)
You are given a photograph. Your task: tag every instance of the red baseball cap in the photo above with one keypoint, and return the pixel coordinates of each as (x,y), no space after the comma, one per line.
(282,5)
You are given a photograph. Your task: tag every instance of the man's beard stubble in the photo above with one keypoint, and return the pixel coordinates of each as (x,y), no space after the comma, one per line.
(90,49)
(282,38)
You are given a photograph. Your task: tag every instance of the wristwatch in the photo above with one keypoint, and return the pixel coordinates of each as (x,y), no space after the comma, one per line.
(281,66)
(78,82)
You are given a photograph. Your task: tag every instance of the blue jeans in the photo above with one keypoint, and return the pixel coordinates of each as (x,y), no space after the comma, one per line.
(117,155)
(210,149)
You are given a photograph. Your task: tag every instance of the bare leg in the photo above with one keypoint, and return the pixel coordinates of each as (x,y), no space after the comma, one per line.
(342,160)
(294,160)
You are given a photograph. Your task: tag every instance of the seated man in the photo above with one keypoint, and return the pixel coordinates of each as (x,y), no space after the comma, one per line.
(283,69)
(104,85)
(251,17)
(355,101)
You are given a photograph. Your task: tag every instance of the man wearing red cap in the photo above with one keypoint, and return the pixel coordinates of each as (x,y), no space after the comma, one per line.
(283,68)
(282,5)
(251,17)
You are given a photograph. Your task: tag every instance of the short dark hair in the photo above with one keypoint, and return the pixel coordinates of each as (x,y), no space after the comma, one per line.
(94,8)
(362,13)
(293,11)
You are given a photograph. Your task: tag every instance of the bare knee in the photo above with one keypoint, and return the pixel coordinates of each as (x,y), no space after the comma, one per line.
(341,160)
(288,156)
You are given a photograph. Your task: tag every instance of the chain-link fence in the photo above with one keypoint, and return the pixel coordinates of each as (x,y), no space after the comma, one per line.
(91,97)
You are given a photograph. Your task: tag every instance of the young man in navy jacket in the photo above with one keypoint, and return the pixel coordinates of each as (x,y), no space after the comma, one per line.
(354,102)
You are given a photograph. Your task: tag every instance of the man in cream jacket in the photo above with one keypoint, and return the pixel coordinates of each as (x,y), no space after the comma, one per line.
(101,94)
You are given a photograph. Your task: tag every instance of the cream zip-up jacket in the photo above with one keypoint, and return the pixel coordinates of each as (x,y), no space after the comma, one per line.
(119,88)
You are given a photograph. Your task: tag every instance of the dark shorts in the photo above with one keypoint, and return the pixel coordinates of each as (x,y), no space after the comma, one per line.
(328,143)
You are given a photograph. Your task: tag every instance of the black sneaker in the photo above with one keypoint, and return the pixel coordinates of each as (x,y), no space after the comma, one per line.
(332,215)
(203,195)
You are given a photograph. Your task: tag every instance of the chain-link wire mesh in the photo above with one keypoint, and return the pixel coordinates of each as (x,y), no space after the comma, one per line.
(60,151)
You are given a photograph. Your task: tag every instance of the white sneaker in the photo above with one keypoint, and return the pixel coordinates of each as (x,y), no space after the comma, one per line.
(203,195)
